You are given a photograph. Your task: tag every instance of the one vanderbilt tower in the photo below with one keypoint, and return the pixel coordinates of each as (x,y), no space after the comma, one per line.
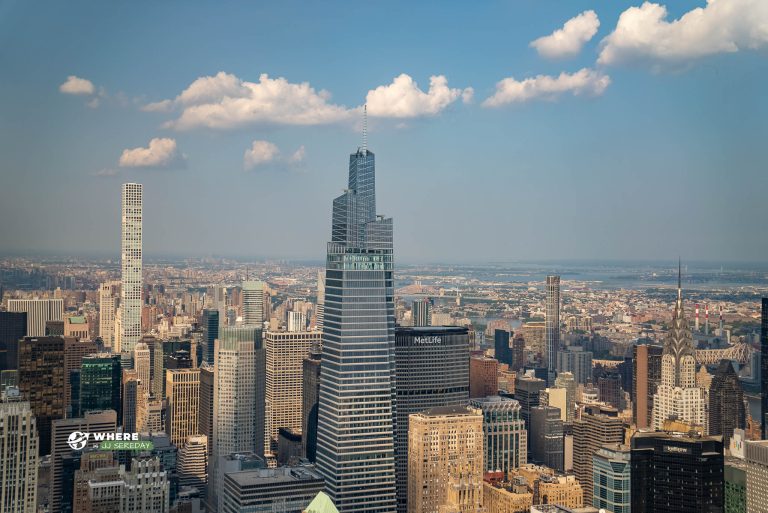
(355,446)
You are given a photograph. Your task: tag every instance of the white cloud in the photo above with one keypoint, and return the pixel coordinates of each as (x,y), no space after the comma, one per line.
(403,98)
(224,101)
(161,152)
(298,155)
(77,85)
(722,26)
(585,82)
(262,153)
(569,40)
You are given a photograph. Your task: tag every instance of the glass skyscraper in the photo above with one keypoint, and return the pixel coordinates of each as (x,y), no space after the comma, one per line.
(355,435)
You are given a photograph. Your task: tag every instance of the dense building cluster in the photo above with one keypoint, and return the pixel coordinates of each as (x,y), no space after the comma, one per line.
(221,386)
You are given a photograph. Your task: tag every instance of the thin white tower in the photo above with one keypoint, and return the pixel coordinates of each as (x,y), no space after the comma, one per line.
(131,264)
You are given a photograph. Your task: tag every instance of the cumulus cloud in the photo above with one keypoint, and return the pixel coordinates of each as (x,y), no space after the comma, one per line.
(585,82)
(260,152)
(263,153)
(403,98)
(569,40)
(161,152)
(77,85)
(722,26)
(224,101)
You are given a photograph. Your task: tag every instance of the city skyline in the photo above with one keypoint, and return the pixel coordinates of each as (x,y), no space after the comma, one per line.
(618,119)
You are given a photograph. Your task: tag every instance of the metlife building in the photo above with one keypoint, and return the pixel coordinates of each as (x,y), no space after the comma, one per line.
(431,370)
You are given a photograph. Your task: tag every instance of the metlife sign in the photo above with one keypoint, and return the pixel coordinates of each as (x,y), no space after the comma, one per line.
(78,440)
(428,340)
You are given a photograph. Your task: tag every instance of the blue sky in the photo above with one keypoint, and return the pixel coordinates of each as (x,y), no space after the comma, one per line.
(651,144)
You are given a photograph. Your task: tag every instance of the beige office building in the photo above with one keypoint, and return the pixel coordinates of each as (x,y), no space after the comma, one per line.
(182,390)
(109,299)
(286,350)
(756,455)
(192,465)
(39,311)
(445,460)
(599,425)
(18,457)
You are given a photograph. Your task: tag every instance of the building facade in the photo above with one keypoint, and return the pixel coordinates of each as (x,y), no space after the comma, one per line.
(238,398)
(283,489)
(546,434)
(505,440)
(182,391)
(611,479)
(100,383)
(18,457)
(483,376)
(131,259)
(552,320)
(310,391)
(445,460)
(358,351)
(646,377)
(678,396)
(672,473)
(13,328)
(726,403)
(285,351)
(109,301)
(41,382)
(39,311)
(253,303)
(596,427)
(756,456)
(431,370)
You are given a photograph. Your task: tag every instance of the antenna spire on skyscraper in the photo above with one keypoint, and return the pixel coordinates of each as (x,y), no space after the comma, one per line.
(679,278)
(365,128)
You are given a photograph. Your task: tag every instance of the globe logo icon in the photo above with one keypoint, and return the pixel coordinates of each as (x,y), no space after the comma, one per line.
(77,440)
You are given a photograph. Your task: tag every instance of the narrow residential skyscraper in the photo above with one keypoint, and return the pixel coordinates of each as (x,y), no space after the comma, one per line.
(131,265)
(355,437)
(552,331)
(764,367)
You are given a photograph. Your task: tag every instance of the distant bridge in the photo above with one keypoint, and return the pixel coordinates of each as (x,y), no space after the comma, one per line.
(739,352)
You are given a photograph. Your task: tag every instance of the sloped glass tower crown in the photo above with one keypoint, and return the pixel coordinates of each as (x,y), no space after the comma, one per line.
(355,445)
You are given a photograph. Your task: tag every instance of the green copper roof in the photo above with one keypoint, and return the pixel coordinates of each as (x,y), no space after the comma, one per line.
(76,320)
(321,504)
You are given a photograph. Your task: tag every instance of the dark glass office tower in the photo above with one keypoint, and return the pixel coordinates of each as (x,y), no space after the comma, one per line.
(764,367)
(13,327)
(501,347)
(210,325)
(431,370)
(674,473)
(726,402)
(310,371)
(100,383)
(355,434)
(41,382)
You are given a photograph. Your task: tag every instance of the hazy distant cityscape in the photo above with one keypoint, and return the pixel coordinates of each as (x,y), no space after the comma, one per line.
(383,257)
